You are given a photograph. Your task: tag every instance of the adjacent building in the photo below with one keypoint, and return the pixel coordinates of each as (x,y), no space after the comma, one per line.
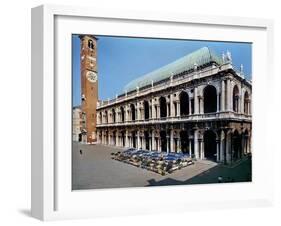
(78,124)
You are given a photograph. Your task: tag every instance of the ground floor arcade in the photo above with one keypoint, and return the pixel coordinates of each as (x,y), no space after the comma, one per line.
(221,143)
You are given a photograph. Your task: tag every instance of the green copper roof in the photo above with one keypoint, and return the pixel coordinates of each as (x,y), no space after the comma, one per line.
(200,57)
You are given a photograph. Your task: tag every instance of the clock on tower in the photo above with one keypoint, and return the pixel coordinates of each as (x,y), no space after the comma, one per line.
(89,86)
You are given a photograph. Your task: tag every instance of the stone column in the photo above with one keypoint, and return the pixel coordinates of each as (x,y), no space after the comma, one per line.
(222,95)
(126,139)
(196,144)
(172,141)
(117,139)
(218,149)
(218,102)
(228,148)
(126,114)
(159,145)
(138,111)
(178,108)
(229,99)
(179,145)
(222,146)
(158,110)
(152,109)
(189,105)
(138,140)
(153,140)
(141,117)
(202,155)
(172,111)
(196,104)
(201,105)
(240,104)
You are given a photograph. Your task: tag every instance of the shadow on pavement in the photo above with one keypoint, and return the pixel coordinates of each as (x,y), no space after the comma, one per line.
(240,173)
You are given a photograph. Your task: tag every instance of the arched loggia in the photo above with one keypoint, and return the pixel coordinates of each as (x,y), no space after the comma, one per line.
(113,115)
(235,99)
(163,107)
(236,145)
(122,114)
(184,141)
(146,139)
(133,112)
(163,138)
(210,145)
(246,103)
(146,109)
(210,99)
(184,103)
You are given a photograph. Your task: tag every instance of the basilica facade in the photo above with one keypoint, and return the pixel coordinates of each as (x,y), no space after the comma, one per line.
(198,104)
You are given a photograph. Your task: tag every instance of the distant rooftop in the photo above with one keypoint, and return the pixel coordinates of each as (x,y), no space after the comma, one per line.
(200,58)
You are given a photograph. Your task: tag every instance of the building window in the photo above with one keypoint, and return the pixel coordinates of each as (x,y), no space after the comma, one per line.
(91,44)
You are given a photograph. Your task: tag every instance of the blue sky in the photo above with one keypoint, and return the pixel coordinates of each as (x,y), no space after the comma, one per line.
(122,59)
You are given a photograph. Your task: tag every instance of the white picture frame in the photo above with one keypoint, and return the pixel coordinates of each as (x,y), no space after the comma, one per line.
(52,197)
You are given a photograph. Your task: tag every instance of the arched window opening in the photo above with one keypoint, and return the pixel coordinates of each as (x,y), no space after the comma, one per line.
(133,112)
(210,99)
(100,118)
(91,44)
(237,145)
(122,114)
(146,139)
(184,104)
(106,117)
(163,138)
(210,150)
(235,99)
(184,141)
(246,103)
(134,139)
(146,110)
(163,107)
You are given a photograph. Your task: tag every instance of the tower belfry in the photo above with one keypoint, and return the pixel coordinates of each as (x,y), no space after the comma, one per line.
(89,85)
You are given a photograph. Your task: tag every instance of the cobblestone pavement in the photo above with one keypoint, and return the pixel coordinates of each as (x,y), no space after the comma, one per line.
(94,169)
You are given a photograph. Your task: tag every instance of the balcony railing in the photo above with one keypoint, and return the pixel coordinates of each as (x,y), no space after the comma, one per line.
(227,115)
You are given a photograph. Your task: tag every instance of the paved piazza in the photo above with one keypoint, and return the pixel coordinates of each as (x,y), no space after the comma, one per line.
(94,169)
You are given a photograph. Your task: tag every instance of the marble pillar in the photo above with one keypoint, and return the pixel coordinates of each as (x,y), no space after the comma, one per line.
(222,95)
(196,144)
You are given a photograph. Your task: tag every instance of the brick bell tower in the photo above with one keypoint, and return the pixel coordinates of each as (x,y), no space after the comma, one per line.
(89,85)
